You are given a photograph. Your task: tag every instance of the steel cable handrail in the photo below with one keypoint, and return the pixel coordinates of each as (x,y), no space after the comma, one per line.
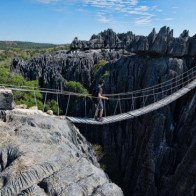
(157,85)
(161,92)
(54,91)
(57,90)
(114,99)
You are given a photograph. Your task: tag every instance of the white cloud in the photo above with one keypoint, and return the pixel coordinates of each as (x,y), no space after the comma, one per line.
(143,21)
(101,17)
(142,8)
(120,6)
(133,2)
(123,7)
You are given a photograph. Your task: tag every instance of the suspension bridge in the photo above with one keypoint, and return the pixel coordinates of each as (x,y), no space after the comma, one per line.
(124,105)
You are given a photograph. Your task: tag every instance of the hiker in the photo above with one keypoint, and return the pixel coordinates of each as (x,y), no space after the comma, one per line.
(99,101)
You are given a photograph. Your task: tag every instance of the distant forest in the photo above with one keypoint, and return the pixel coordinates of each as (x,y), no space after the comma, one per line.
(24,45)
(25,51)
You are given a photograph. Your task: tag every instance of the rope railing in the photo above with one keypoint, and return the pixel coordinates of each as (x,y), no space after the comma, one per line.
(55,91)
(192,71)
(162,91)
(136,99)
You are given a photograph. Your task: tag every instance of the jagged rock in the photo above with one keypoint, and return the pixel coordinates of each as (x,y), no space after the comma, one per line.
(192,46)
(152,36)
(43,155)
(179,46)
(162,43)
(107,39)
(151,154)
(53,69)
(6,100)
(140,44)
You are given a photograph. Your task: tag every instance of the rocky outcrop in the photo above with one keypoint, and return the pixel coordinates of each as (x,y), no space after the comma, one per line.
(6,100)
(135,72)
(53,69)
(42,155)
(152,154)
(162,43)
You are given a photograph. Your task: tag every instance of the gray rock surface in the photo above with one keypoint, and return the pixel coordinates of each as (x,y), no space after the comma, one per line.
(42,155)
(153,154)
(53,69)
(6,100)
(162,43)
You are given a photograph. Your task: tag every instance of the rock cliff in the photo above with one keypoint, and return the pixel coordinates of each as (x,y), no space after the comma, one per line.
(53,69)
(42,155)
(153,154)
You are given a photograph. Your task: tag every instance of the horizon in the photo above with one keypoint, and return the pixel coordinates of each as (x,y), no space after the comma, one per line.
(47,21)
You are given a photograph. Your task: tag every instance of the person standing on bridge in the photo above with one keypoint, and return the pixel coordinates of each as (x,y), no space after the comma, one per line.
(99,101)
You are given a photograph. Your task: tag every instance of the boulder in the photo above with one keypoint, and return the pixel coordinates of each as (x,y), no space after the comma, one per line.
(6,99)
(50,112)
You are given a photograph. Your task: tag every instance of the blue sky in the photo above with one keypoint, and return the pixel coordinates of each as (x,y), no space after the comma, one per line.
(59,21)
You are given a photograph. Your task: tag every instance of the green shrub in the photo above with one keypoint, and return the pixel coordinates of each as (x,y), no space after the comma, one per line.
(100,154)
(77,87)
(99,65)
(28,98)
(21,97)
(53,105)
(105,75)
(4,75)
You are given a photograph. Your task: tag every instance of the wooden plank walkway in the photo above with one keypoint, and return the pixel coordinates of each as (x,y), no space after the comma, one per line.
(124,116)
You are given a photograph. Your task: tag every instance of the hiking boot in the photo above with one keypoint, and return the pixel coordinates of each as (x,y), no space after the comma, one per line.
(100,119)
(96,118)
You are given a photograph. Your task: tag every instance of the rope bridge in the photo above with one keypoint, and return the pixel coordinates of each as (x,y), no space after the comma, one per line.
(128,105)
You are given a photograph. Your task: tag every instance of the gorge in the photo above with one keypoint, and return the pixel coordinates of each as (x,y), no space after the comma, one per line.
(153,154)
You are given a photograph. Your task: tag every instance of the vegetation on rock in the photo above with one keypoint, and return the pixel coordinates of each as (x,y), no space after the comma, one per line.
(99,65)
(76,87)
(20,97)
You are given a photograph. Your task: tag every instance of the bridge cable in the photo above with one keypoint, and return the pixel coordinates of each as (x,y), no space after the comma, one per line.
(57,100)
(45,101)
(35,98)
(67,105)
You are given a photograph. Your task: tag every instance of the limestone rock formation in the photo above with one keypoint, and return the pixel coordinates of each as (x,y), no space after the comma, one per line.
(150,155)
(161,43)
(154,154)
(42,155)
(53,69)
